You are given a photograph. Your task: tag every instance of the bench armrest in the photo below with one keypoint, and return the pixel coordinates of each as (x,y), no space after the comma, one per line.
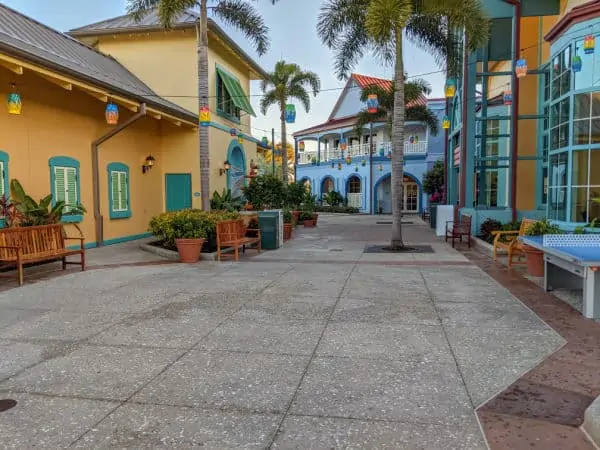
(501,232)
(68,238)
(10,247)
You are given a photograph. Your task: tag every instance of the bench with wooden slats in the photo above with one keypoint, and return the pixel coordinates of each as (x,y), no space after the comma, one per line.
(232,234)
(24,245)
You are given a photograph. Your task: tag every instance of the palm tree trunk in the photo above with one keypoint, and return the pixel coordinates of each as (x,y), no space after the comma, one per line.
(203,100)
(284,155)
(398,147)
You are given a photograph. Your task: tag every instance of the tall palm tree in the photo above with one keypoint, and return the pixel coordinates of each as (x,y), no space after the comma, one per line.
(353,27)
(286,82)
(240,14)
(413,90)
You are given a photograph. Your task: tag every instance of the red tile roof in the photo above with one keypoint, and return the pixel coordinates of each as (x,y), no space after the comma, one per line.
(364,80)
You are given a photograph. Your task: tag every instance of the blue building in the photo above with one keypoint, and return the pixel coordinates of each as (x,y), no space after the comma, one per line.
(362,171)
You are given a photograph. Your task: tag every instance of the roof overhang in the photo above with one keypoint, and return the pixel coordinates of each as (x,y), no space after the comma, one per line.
(18,61)
(256,71)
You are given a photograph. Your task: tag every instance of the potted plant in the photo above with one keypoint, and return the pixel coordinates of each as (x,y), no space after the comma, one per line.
(307,219)
(535,257)
(190,233)
(253,226)
(288,224)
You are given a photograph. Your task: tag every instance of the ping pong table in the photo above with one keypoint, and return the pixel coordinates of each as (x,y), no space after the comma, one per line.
(572,262)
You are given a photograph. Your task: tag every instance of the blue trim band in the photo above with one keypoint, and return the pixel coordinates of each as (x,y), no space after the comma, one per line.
(120,240)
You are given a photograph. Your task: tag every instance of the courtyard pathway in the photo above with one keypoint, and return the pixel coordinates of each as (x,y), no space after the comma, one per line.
(316,345)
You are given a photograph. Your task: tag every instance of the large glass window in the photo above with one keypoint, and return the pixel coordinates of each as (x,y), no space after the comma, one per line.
(559,124)
(590,68)
(586,118)
(557,191)
(561,73)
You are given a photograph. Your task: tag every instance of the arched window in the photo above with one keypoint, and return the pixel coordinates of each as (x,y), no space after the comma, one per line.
(354,185)
(327,186)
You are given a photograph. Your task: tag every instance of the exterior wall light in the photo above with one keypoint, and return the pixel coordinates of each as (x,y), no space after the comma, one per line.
(148,164)
(225,169)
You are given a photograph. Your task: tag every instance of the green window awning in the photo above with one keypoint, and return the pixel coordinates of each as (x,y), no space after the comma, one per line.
(238,96)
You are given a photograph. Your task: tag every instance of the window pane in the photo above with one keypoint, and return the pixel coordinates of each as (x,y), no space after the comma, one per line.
(71,186)
(565,83)
(581,131)
(595,167)
(557,208)
(581,106)
(559,165)
(114,178)
(579,176)
(595,131)
(555,115)
(59,184)
(596,103)
(544,185)
(579,204)
(563,135)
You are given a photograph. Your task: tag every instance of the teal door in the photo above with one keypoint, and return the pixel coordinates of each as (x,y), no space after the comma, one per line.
(178,191)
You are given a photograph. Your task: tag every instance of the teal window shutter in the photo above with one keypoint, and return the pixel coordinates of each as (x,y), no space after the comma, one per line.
(65,185)
(3,180)
(118,192)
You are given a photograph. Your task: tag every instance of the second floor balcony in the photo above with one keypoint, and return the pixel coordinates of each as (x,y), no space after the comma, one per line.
(357,150)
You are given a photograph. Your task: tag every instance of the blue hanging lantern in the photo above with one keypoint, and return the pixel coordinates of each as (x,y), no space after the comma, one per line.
(576,63)
(111,114)
(290,113)
(508,98)
(264,142)
(232,132)
(521,68)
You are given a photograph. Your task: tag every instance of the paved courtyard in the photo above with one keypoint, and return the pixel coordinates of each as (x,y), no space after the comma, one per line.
(315,345)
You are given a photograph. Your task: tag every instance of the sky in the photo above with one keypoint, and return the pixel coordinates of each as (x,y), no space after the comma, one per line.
(293,37)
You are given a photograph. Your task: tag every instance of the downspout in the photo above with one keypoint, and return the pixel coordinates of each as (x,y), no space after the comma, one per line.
(514,154)
(96,174)
(371,193)
(463,131)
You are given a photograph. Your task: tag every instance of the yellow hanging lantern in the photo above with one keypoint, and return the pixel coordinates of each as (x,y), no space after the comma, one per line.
(450,88)
(14,102)
(204,116)
(446,123)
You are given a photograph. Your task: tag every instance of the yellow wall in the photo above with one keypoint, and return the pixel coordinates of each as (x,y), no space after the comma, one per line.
(56,122)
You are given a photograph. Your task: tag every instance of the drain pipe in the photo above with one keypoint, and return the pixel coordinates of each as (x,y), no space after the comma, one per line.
(99,220)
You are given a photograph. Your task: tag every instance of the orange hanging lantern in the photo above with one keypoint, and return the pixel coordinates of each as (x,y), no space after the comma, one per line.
(521,68)
(111,114)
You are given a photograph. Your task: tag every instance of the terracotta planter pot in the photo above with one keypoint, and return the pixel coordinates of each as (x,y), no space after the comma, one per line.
(287,231)
(315,218)
(189,249)
(248,207)
(308,223)
(535,261)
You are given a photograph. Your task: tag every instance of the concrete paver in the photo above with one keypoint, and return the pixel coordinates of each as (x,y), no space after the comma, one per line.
(316,345)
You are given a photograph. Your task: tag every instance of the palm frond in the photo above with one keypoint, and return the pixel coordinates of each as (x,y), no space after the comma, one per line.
(363,118)
(244,17)
(299,93)
(269,99)
(168,10)
(420,113)
(307,79)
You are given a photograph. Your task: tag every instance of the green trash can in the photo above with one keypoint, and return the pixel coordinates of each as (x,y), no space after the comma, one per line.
(433,216)
(271,229)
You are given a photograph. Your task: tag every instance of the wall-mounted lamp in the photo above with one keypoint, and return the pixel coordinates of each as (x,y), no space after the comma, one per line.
(149,163)
(225,169)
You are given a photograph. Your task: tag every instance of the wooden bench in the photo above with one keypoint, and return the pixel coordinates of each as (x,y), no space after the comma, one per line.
(510,242)
(458,229)
(232,234)
(44,243)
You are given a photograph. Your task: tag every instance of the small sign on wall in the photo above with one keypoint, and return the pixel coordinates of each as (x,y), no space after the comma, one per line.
(197,194)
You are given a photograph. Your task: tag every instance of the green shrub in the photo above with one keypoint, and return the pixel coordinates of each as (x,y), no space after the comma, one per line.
(542,227)
(294,195)
(225,201)
(265,191)
(305,215)
(287,216)
(488,226)
(188,223)
(333,198)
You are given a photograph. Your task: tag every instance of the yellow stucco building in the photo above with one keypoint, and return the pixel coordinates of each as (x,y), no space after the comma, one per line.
(61,143)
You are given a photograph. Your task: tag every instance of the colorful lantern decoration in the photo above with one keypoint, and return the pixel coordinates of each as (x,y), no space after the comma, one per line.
(450,88)
(372,103)
(14,102)
(416,139)
(508,98)
(339,166)
(446,123)
(576,63)
(301,146)
(356,168)
(364,162)
(411,139)
(343,144)
(111,114)
(264,141)
(232,132)
(380,167)
(290,113)
(204,116)
(521,68)
(348,159)
(589,44)
(240,138)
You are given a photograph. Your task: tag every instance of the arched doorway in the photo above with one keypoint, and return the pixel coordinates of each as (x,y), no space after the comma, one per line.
(383,195)
(327,186)
(236,175)
(354,192)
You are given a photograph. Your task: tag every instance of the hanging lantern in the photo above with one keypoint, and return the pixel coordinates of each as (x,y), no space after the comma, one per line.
(264,142)
(339,166)
(411,139)
(348,159)
(450,88)
(14,102)
(521,68)
(356,168)
(416,139)
(364,162)
(446,123)
(204,116)
(389,155)
(589,44)
(112,114)
(232,132)
(301,146)
(372,103)
(241,138)
(576,63)
(380,167)
(290,113)
(343,144)
(508,98)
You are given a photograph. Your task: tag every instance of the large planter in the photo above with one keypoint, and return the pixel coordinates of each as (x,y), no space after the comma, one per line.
(309,223)
(315,218)
(287,231)
(535,261)
(189,249)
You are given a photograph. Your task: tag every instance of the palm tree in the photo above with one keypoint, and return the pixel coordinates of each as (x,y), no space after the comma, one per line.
(286,82)
(354,27)
(240,14)
(413,90)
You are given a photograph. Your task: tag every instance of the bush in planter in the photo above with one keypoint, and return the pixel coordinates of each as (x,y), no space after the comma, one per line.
(542,227)
(306,215)
(487,227)
(265,192)
(294,195)
(333,198)
(225,201)
(535,257)
(287,216)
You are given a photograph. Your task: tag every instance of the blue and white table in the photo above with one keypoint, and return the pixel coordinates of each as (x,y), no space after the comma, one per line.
(572,260)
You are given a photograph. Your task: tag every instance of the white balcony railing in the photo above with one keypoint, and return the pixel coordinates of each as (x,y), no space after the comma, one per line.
(355,200)
(358,150)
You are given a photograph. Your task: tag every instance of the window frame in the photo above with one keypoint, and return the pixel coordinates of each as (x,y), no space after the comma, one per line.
(119,168)
(226,108)
(69,163)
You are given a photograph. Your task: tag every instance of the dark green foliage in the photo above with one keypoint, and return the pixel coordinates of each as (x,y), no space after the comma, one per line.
(487,227)
(287,216)
(266,192)
(295,195)
(225,201)
(433,180)
(333,198)
(542,227)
